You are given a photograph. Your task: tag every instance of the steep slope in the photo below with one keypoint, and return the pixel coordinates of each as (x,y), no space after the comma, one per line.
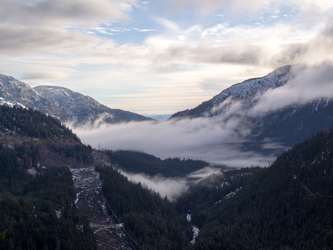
(92,204)
(37,155)
(41,140)
(295,123)
(284,206)
(66,105)
(21,94)
(42,216)
(36,191)
(245,92)
(286,126)
(83,109)
(138,162)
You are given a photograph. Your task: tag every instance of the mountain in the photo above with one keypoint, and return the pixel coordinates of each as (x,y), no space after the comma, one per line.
(65,104)
(286,126)
(52,196)
(245,92)
(36,186)
(84,109)
(285,206)
(15,92)
(41,140)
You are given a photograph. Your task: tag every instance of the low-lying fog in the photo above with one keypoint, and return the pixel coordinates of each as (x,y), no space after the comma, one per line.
(171,187)
(212,140)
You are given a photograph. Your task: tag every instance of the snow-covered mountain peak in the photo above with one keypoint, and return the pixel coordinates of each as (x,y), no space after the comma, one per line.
(251,87)
(56,92)
(21,94)
(60,102)
(83,109)
(244,92)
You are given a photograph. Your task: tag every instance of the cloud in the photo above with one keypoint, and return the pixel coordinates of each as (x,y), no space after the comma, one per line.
(241,45)
(173,188)
(197,139)
(53,27)
(170,187)
(42,75)
(55,12)
(204,172)
(216,140)
(73,37)
(208,139)
(18,40)
(246,7)
(57,27)
(305,84)
(310,83)
(143,30)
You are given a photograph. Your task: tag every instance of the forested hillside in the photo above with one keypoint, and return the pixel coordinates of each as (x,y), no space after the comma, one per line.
(274,207)
(150,220)
(138,162)
(286,205)
(41,140)
(39,212)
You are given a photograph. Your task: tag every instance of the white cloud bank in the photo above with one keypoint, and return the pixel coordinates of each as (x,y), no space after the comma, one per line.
(206,139)
(173,188)
(213,139)
(170,187)
(310,83)
(210,139)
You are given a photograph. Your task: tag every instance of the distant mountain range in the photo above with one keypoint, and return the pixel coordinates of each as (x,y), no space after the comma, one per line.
(63,103)
(287,126)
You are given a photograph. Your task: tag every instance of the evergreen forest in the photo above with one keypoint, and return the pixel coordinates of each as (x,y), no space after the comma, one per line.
(287,205)
(139,162)
(151,220)
(37,213)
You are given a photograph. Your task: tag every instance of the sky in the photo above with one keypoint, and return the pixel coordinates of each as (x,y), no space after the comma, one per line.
(159,57)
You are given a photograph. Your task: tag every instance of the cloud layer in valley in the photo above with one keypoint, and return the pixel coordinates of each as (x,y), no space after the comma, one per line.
(171,187)
(216,140)
(206,139)
(211,139)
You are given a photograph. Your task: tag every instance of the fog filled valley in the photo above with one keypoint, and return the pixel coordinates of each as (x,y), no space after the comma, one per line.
(134,124)
(249,169)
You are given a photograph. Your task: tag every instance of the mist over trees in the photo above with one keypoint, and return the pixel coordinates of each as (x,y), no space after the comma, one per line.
(237,209)
(139,162)
(268,207)
(151,220)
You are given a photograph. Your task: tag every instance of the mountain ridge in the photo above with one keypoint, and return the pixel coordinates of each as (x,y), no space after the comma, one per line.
(286,126)
(78,105)
(62,103)
(239,91)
